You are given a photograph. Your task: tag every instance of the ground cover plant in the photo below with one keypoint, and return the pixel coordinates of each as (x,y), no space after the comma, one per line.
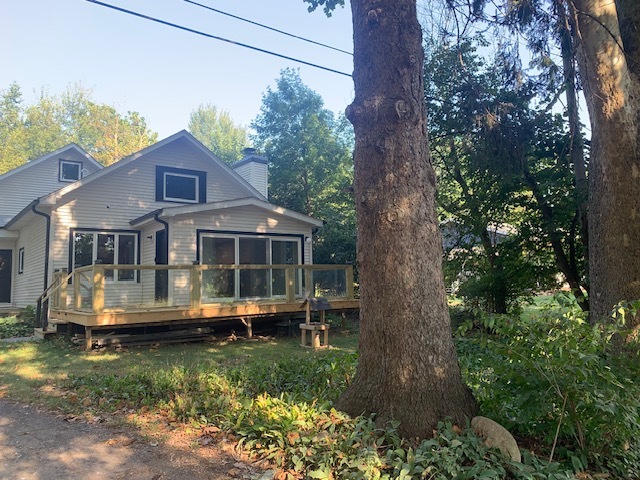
(18,326)
(277,400)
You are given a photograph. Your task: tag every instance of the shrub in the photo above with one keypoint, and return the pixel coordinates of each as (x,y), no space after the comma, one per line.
(553,379)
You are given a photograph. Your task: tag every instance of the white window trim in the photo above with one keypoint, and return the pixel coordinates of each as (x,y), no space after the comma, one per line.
(94,252)
(21,260)
(75,164)
(165,197)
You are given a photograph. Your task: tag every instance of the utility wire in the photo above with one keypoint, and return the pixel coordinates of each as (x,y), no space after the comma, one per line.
(198,32)
(267,27)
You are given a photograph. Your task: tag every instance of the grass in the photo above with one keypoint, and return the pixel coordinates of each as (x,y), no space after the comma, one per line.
(27,367)
(275,397)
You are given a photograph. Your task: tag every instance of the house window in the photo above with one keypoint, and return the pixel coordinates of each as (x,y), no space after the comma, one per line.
(70,171)
(248,250)
(109,248)
(21,260)
(180,185)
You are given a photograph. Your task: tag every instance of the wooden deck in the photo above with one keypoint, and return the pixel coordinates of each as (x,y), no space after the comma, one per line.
(88,299)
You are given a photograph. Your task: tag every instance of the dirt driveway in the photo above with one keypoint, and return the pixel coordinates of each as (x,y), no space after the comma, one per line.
(39,445)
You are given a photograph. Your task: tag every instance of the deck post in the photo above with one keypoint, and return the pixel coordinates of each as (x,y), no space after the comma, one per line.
(249,325)
(88,338)
(349,275)
(62,292)
(97,304)
(196,286)
(77,298)
(290,280)
(308,280)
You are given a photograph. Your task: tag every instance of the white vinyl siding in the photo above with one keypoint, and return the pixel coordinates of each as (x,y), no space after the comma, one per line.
(256,174)
(110,202)
(148,257)
(246,219)
(21,188)
(28,286)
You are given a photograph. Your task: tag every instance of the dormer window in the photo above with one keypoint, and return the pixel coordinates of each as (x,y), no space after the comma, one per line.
(70,171)
(180,185)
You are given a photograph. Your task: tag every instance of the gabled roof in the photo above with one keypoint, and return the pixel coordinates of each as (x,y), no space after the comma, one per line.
(240,202)
(55,153)
(51,198)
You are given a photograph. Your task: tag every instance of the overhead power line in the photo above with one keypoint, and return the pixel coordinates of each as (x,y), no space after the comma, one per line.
(267,27)
(215,37)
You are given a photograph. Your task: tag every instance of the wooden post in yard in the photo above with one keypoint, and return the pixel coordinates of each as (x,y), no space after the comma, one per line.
(97,303)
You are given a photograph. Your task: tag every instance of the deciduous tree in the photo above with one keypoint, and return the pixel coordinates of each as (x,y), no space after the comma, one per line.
(310,166)
(27,132)
(609,61)
(407,369)
(218,132)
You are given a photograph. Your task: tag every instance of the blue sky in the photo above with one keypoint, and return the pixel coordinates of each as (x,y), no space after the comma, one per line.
(165,73)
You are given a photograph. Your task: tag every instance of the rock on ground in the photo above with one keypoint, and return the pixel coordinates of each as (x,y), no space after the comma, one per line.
(495,435)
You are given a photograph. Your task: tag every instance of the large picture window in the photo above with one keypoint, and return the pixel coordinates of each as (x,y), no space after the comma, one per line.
(180,185)
(248,250)
(109,248)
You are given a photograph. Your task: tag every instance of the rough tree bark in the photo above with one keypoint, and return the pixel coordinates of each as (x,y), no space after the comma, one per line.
(408,369)
(612,89)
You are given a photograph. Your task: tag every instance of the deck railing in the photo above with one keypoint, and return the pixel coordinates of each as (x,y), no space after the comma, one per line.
(101,288)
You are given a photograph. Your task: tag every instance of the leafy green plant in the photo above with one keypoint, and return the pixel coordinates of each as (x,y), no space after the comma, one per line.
(283,411)
(11,327)
(553,379)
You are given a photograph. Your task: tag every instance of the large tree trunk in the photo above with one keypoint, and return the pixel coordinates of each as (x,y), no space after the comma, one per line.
(613,98)
(408,369)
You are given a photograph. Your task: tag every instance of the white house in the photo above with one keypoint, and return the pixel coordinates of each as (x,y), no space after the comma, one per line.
(173,203)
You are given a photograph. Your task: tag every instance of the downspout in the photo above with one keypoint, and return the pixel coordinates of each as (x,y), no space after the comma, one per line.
(156,217)
(164,279)
(47,241)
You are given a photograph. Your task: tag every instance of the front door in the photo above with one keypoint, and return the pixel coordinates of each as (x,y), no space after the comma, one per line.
(162,276)
(6,257)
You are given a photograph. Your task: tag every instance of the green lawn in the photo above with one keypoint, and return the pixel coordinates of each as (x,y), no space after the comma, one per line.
(25,367)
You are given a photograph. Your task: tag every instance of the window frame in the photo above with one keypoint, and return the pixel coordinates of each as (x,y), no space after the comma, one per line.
(116,250)
(168,198)
(61,164)
(200,187)
(298,239)
(20,260)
